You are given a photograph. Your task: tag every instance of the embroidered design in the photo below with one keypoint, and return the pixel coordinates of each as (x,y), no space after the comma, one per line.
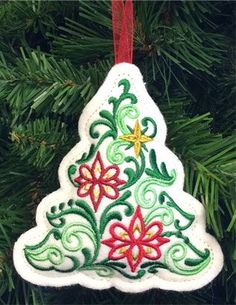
(98,181)
(176,255)
(63,249)
(140,228)
(160,174)
(136,138)
(126,111)
(136,241)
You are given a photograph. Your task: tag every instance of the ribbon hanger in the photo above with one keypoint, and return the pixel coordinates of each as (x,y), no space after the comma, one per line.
(122,26)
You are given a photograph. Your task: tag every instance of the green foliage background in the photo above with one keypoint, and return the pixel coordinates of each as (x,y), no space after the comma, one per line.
(54,56)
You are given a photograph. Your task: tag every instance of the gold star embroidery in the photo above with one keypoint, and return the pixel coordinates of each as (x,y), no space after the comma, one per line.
(137,138)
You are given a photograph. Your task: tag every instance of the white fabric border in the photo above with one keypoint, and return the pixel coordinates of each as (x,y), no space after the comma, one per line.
(197,233)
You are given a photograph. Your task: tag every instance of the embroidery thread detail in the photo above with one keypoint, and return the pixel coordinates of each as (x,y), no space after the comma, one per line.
(126,111)
(141,227)
(176,259)
(137,138)
(98,181)
(160,174)
(114,153)
(135,242)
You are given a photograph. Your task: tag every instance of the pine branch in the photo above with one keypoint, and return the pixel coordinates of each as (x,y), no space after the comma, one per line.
(27,22)
(41,83)
(174,38)
(209,161)
(90,38)
(177,34)
(210,172)
(39,141)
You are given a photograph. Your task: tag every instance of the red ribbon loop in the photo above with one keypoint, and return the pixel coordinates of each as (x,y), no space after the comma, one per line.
(123,27)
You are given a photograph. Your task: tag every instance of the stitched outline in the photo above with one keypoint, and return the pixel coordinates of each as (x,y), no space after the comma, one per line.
(136,241)
(98,181)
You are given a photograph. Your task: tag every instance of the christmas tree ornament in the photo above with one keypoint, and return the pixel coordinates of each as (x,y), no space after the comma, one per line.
(120,217)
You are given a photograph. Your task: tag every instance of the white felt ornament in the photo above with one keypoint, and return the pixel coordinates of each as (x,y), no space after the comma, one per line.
(120,217)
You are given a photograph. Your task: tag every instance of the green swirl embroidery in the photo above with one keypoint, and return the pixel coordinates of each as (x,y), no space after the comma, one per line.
(108,215)
(160,174)
(114,154)
(57,216)
(68,237)
(71,172)
(133,175)
(165,214)
(139,274)
(107,269)
(121,269)
(71,236)
(107,120)
(46,256)
(101,270)
(165,198)
(87,155)
(129,111)
(153,266)
(145,192)
(51,254)
(145,122)
(176,257)
(124,96)
(71,239)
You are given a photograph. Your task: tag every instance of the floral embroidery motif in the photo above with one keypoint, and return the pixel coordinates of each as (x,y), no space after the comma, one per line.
(98,181)
(137,138)
(135,242)
(135,239)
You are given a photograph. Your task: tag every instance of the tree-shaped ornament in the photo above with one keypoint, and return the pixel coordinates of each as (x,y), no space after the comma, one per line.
(120,217)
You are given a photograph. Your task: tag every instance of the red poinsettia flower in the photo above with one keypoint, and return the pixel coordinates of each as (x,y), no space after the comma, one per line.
(136,241)
(98,181)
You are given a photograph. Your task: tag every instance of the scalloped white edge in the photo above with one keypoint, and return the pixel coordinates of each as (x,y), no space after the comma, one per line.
(197,232)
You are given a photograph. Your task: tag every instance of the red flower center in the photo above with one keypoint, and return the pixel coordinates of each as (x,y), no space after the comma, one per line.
(98,181)
(135,242)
